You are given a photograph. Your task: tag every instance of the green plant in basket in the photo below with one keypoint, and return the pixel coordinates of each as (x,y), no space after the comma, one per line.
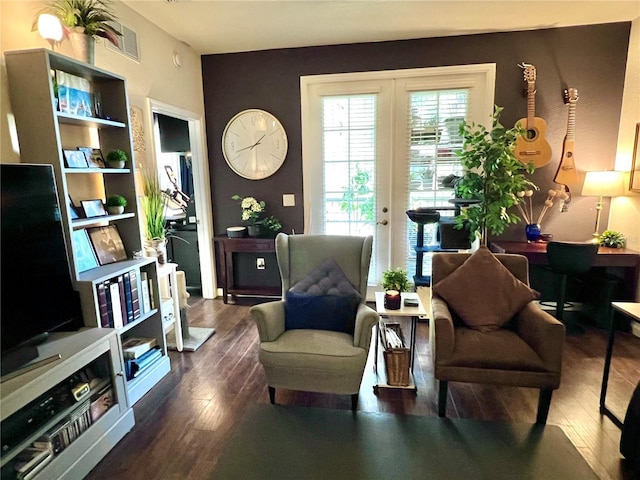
(613,239)
(396,279)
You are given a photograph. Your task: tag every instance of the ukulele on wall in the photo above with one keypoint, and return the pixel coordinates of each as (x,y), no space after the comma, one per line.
(567,172)
(532,147)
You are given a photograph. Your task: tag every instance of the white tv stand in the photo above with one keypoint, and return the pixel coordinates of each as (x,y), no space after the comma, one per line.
(98,347)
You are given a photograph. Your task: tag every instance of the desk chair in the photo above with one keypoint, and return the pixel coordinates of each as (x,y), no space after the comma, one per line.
(569,258)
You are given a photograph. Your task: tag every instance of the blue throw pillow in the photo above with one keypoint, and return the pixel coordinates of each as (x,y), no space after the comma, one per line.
(320,312)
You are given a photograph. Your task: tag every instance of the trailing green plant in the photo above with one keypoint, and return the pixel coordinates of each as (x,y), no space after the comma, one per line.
(493,175)
(154,204)
(84,16)
(613,239)
(395,279)
(116,201)
(117,155)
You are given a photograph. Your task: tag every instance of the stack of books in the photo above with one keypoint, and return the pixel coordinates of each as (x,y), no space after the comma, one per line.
(139,354)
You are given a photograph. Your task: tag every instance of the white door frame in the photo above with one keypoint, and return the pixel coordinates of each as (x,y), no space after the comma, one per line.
(201,185)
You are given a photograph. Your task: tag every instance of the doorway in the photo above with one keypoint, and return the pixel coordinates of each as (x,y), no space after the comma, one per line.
(183,174)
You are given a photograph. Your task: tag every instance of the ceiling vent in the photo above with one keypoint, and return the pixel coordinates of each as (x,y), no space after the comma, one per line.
(127,43)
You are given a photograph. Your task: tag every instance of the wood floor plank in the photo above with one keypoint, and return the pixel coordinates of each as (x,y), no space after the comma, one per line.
(183,423)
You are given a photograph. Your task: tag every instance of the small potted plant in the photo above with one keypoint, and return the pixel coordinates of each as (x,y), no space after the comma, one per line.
(394,281)
(271,225)
(117,158)
(613,239)
(116,204)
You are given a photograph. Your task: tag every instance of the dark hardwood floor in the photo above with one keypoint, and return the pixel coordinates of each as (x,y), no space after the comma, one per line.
(182,425)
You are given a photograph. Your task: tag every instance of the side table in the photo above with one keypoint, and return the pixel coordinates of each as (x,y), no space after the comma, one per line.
(403,311)
(632,310)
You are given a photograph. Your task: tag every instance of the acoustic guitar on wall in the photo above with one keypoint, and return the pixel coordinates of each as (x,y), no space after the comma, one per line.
(532,147)
(567,173)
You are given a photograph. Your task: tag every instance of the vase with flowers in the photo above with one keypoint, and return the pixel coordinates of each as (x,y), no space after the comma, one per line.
(532,229)
(251,211)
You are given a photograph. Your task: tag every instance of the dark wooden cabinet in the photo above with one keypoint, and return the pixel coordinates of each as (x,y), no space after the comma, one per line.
(226,251)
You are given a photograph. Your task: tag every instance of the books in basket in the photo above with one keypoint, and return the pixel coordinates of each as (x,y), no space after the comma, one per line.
(134,347)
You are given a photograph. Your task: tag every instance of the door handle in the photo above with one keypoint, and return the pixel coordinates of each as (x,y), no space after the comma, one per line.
(383,222)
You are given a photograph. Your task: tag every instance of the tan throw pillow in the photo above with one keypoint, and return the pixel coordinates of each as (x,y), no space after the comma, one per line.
(483,292)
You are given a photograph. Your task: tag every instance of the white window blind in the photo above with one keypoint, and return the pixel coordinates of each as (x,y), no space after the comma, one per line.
(433,138)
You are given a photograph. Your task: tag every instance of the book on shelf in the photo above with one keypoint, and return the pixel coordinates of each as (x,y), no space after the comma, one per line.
(135,347)
(123,300)
(127,296)
(134,367)
(145,305)
(116,305)
(102,305)
(135,300)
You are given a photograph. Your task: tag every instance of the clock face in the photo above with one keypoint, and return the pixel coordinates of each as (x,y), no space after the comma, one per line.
(254,144)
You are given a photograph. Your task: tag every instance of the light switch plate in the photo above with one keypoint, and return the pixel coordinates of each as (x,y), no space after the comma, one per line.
(288,200)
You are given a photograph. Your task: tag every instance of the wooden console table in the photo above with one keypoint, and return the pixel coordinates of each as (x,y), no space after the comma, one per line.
(227,247)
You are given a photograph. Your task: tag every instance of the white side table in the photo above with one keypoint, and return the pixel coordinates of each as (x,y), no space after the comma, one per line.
(170,299)
(403,311)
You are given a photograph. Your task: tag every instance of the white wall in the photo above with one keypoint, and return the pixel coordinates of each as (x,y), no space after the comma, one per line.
(154,77)
(625,211)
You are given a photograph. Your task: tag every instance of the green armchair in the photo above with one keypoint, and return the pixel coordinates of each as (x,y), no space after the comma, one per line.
(310,359)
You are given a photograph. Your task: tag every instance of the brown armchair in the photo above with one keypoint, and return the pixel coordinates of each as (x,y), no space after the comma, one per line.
(526,351)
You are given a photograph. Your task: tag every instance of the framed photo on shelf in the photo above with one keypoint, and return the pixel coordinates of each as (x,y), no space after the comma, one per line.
(85,256)
(634,178)
(93,208)
(74,211)
(94,157)
(107,244)
(75,159)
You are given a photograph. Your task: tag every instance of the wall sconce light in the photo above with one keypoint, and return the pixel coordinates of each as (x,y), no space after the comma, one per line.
(602,184)
(50,28)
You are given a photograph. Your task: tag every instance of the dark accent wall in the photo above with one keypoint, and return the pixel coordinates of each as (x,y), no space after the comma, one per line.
(590,58)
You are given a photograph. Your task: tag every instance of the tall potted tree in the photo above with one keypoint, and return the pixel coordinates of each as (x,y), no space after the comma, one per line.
(153,206)
(493,175)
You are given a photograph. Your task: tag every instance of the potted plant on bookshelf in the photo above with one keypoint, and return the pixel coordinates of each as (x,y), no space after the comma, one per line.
(394,281)
(83,21)
(116,204)
(117,158)
(154,203)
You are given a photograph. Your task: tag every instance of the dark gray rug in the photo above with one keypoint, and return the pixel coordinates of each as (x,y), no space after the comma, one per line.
(278,442)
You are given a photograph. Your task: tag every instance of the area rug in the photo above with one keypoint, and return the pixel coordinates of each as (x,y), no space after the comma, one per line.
(281,442)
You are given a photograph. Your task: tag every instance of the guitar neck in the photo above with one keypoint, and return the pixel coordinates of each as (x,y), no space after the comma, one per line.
(531,104)
(571,125)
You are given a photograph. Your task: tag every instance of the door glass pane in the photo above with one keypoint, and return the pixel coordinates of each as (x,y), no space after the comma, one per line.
(349,165)
(433,119)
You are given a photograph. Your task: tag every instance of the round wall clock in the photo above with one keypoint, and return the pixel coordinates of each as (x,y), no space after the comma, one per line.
(254,144)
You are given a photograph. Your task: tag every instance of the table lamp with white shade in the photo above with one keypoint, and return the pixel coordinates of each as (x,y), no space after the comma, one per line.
(602,184)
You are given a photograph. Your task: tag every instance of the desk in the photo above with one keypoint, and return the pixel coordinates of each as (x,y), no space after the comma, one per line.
(403,311)
(632,310)
(170,300)
(607,257)
(226,248)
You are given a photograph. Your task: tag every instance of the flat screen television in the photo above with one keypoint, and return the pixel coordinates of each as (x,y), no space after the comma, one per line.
(36,291)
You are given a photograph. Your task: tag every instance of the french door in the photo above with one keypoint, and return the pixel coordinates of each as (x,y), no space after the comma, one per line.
(376,144)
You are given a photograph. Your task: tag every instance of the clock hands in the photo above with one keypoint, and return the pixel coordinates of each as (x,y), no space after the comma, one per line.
(251,147)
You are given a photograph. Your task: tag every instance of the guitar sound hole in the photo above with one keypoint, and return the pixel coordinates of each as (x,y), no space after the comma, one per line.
(531,134)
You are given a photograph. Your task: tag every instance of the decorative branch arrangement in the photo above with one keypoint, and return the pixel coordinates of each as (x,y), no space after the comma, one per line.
(527,213)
